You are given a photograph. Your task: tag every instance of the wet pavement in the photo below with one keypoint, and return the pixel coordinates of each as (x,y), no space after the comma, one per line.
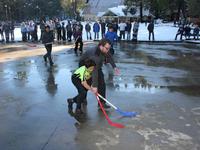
(159,81)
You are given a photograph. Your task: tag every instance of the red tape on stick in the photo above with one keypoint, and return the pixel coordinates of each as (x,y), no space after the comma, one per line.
(117,125)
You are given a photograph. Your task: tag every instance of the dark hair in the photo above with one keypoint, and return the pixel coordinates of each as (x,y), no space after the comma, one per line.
(111,27)
(47,26)
(104,41)
(88,63)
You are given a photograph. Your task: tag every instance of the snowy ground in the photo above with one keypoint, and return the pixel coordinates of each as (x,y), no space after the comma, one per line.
(163,32)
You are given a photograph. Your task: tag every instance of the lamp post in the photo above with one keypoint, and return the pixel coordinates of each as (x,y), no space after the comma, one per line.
(74,5)
(9,13)
(6,11)
(38,11)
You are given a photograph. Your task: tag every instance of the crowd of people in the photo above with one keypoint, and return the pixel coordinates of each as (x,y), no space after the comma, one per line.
(66,31)
(188,31)
(73,30)
(7,31)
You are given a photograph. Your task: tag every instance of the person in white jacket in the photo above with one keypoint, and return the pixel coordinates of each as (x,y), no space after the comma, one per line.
(122,27)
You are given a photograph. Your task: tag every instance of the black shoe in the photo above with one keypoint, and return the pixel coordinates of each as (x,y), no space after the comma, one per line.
(106,106)
(70,104)
(45,59)
(85,102)
(51,64)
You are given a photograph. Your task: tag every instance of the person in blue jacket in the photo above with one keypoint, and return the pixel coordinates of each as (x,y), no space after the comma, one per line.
(112,37)
(96,29)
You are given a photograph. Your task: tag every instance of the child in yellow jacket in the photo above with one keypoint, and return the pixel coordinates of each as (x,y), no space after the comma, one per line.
(80,79)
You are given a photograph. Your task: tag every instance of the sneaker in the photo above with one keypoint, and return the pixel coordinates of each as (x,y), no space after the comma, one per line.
(70,104)
(106,106)
(51,64)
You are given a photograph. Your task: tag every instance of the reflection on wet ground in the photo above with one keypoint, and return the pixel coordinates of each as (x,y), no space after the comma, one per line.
(160,81)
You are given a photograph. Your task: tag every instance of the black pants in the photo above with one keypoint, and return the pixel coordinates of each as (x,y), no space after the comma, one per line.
(150,35)
(48,54)
(12,35)
(64,35)
(24,36)
(79,41)
(181,35)
(102,34)
(7,36)
(96,35)
(112,51)
(122,34)
(69,36)
(82,91)
(88,33)
(59,36)
(101,85)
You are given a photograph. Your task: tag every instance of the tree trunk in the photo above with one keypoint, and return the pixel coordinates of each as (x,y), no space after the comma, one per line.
(141,11)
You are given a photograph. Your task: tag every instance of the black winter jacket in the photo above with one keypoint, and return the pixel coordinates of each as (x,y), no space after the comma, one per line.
(47,37)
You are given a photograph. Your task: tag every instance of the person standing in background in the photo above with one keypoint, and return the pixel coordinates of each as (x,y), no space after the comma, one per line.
(128,30)
(58,29)
(103,28)
(88,31)
(122,27)
(135,30)
(69,31)
(96,29)
(12,28)
(1,32)
(151,30)
(63,31)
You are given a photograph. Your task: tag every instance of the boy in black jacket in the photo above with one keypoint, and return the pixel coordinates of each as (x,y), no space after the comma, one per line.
(47,40)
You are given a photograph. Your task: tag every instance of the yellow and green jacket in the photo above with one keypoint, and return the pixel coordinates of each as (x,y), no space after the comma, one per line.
(83,73)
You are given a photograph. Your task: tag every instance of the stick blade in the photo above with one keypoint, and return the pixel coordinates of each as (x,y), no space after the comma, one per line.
(117,125)
(126,114)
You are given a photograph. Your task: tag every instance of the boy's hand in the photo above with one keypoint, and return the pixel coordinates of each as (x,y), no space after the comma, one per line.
(94,90)
(117,72)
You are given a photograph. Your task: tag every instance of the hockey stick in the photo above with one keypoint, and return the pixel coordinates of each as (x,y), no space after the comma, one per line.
(125,114)
(117,125)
